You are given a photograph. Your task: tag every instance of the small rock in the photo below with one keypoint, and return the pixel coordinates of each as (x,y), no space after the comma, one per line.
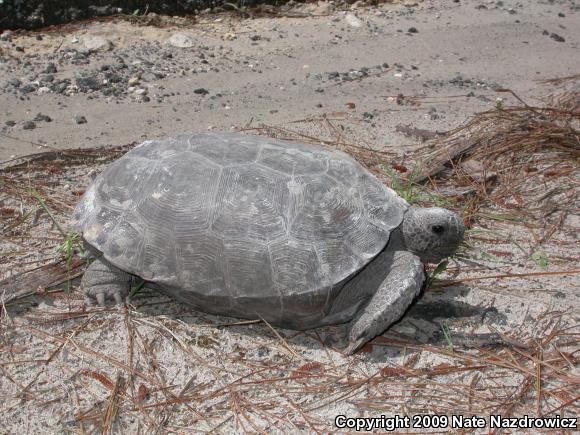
(201,91)
(89,83)
(14,82)
(353,21)
(557,37)
(79,119)
(26,89)
(133,81)
(60,86)
(141,92)
(41,117)
(262,351)
(322,8)
(43,90)
(97,43)
(181,40)
(412,30)
(48,78)
(28,125)
(149,76)
(10,123)
(50,68)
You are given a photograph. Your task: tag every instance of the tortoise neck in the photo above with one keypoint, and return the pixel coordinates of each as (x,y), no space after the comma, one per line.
(396,240)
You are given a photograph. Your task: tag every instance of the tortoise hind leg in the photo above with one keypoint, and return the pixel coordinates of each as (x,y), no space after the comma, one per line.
(103,281)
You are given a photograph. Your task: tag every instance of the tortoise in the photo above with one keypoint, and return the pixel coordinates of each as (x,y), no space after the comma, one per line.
(298,235)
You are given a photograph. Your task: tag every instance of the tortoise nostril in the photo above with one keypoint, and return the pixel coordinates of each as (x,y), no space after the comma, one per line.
(438,229)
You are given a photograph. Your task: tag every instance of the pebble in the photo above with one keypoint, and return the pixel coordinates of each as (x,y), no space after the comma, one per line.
(89,83)
(15,82)
(148,77)
(353,21)
(201,91)
(322,8)
(42,117)
(79,119)
(28,125)
(181,40)
(47,78)
(50,68)
(26,89)
(133,81)
(97,43)
(557,37)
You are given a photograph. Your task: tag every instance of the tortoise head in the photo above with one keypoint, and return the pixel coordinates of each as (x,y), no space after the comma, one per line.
(432,233)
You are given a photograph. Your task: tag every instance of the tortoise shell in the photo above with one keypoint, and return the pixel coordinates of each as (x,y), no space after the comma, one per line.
(229,222)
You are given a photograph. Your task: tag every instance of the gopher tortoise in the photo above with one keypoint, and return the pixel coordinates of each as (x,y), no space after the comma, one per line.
(298,235)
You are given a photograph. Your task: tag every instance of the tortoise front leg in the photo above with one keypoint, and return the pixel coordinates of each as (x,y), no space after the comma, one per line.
(103,281)
(397,290)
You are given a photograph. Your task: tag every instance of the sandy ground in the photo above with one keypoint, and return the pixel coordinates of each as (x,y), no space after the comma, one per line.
(385,78)
(276,71)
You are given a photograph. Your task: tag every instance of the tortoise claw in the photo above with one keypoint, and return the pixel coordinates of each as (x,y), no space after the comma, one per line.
(355,345)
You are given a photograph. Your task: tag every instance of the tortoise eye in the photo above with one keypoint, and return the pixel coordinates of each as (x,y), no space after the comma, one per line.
(438,229)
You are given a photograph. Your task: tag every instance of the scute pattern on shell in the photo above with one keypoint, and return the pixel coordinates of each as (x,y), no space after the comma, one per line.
(239,217)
